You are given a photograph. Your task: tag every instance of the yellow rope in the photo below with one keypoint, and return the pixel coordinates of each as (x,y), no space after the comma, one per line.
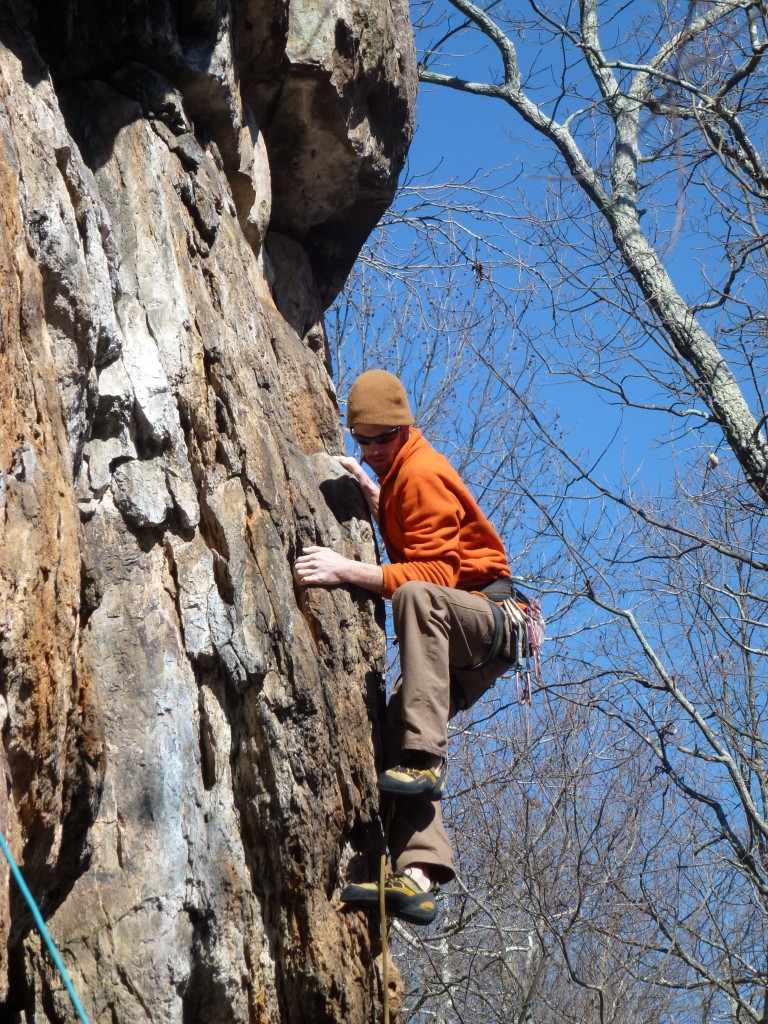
(383,911)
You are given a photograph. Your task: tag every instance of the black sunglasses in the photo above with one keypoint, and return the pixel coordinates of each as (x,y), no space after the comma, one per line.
(383,438)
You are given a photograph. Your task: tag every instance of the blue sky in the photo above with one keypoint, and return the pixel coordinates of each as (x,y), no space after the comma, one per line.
(459,136)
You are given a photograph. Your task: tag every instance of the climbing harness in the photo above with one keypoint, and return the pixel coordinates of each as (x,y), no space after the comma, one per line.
(42,929)
(522,617)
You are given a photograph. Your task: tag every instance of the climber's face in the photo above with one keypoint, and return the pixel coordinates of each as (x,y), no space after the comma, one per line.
(380,444)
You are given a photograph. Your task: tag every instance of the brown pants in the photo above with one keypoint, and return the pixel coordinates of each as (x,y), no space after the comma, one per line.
(441,632)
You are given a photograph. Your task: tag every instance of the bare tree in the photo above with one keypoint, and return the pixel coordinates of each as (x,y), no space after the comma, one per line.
(628,99)
(638,280)
(540,926)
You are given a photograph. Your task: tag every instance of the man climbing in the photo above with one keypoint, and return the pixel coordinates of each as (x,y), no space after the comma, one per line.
(447,571)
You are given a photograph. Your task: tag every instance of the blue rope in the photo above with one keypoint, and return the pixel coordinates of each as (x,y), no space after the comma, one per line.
(42,929)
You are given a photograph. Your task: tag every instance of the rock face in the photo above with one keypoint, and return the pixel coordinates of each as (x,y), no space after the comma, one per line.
(189,742)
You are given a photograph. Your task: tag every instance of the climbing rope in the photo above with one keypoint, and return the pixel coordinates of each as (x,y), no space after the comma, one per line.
(42,929)
(383,911)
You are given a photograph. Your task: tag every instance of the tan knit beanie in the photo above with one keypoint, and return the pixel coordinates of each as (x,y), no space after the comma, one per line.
(379,398)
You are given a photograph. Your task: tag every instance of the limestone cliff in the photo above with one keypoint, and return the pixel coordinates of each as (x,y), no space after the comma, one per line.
(188,741)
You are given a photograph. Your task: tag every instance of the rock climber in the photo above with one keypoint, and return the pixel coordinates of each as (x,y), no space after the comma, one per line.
(446,576)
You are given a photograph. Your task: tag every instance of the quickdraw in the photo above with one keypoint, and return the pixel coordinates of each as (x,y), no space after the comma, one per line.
(526,624)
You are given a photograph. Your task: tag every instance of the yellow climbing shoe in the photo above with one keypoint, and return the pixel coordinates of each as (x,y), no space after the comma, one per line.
(407,781)
(403,898)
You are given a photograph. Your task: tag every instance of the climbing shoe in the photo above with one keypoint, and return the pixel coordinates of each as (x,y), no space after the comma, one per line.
(403,898)
(408,781)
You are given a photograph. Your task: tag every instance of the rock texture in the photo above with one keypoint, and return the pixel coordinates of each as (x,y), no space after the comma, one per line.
(189,742)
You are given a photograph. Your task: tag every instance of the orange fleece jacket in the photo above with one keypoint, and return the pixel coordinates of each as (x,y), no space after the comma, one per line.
(432,526)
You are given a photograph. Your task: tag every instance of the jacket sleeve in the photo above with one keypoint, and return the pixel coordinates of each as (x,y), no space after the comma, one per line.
(430,518)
